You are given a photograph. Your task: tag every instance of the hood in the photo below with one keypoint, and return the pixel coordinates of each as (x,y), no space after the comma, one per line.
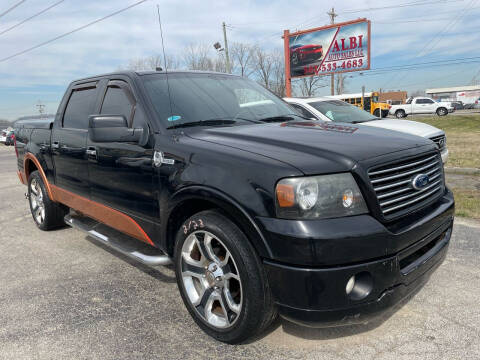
(313,147)
(406,126)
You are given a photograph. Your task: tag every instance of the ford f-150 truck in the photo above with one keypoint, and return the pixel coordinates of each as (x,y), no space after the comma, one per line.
(421,105)
(260,211)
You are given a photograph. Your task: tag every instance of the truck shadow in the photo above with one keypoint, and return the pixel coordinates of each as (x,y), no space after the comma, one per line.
(164,274)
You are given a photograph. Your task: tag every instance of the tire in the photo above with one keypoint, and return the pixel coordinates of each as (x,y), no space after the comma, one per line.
(46,213)
(384,113)
(221,278)
(376,113)
(442,111)
(399,114)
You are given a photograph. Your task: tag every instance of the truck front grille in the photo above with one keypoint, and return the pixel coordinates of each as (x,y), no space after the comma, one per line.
(393,184)
(440,141)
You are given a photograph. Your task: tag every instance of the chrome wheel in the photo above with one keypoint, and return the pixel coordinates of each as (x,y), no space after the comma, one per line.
(211,279)
(36,202)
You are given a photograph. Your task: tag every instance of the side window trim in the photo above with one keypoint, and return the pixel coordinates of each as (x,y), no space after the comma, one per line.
(77,87)
(125,87)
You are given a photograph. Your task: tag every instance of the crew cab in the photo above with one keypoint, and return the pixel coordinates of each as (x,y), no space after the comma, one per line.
(260,210)
(328,109)
(421,105)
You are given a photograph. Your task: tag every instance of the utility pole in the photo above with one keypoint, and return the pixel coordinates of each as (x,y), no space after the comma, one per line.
(227,58)
(332,15)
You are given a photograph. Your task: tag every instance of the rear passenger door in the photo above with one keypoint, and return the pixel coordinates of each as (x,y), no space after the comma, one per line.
(121,173)
(69,140)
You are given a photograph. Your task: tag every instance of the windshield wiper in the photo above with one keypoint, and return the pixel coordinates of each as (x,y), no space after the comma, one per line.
(277,118)
(363,121)
(210,122)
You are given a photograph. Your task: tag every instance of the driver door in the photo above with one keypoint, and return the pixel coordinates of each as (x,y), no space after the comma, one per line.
(121,173)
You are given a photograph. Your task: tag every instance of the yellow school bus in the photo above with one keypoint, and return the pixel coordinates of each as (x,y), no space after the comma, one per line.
(370,102)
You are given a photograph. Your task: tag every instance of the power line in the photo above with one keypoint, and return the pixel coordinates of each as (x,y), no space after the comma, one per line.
(12,7)
(436,39)
(432,44)
(72,31)
(415,3)
(31,17)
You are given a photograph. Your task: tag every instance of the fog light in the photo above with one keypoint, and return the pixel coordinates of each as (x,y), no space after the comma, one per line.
(359,286)
(350,285)
(347,199)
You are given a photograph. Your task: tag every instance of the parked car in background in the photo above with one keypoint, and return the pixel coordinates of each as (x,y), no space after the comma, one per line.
(457,105)
(300,54)
(3,136)
(10,138)
(327,109)
(421,105)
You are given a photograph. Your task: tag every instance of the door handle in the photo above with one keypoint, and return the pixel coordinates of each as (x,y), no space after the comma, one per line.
(91,152)
(55,145)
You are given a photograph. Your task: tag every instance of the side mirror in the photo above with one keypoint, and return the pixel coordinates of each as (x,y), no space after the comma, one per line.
(114,128)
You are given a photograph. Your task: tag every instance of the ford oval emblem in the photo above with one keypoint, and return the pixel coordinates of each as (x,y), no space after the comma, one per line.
(420,181)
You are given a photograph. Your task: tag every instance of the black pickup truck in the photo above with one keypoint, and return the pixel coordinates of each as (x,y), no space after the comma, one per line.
(260,211)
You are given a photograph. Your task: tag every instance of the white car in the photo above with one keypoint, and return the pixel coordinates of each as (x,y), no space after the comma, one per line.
(421,105)
(327,109)
(3,136)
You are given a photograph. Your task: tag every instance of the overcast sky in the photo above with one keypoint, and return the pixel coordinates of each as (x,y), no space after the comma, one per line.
(432,31)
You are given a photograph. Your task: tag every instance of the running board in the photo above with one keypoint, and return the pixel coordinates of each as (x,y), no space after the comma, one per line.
(118,241)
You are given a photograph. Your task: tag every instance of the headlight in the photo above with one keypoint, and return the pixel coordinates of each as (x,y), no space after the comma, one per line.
(319,197)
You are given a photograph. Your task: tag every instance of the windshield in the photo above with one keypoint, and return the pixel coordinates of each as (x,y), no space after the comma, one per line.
(206,98)
(341,111)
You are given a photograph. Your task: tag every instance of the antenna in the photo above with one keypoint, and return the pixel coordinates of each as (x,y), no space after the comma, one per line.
(164,60)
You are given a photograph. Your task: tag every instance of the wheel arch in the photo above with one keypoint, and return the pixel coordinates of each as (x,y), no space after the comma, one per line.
(194,199)
(31,164)
(442,108)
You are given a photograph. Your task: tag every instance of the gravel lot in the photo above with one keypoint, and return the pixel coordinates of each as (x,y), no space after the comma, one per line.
(62,296)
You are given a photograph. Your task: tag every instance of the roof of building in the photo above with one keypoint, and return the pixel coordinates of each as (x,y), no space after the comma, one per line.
(452,89)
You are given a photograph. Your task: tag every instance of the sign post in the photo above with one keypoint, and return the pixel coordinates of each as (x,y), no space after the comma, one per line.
(336,48)
(288,78)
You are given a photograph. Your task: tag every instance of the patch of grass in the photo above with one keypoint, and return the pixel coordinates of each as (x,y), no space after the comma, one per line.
(467,203)
(463,137)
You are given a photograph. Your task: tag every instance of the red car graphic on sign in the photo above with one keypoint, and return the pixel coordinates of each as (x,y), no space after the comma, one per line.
(300,54)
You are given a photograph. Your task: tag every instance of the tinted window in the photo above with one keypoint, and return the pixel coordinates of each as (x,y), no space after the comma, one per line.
(424,101)
(79,107)
(303,111)
(116,103)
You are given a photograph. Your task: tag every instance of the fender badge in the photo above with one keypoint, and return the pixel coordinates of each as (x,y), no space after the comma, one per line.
(159,159)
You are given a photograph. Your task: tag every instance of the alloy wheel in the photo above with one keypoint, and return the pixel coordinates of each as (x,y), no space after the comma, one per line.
(36,202)
(211,279)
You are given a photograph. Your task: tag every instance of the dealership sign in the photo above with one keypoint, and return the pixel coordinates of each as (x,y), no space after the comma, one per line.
(336,48)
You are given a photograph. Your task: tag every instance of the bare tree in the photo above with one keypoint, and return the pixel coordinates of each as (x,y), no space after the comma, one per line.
(264,67)
(278,76)
(242,56)
(340,83)
(197,57)
(308,86)
(152,62)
